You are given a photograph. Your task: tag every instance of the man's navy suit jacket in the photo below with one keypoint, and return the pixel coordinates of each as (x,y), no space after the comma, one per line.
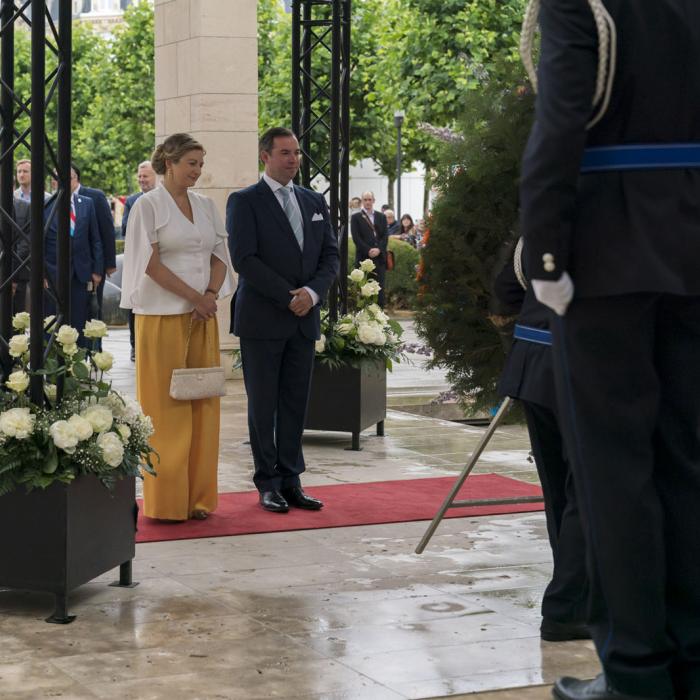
(105,225)
(270,263)
(130,201)
(86,244)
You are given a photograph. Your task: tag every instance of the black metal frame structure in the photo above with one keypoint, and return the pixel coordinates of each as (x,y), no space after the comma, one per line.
(321,113)
(49,153)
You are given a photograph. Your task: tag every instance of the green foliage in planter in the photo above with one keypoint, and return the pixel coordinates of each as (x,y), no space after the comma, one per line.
(474,216)
(401,285)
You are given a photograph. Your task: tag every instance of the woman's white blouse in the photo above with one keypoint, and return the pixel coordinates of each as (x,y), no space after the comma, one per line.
(184,247)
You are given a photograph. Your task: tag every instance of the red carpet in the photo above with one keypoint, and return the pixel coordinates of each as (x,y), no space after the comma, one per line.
(346,505)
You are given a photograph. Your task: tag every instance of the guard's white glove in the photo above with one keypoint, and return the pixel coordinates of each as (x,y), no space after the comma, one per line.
(556,295)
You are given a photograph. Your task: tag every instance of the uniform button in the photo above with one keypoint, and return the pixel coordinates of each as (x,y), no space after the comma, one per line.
(549,266)
(547,258)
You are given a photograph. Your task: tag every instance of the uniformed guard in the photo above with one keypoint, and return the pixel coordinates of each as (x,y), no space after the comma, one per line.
(528,375)
(610,200)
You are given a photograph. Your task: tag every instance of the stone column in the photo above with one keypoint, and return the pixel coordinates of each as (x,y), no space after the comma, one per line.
(206,83)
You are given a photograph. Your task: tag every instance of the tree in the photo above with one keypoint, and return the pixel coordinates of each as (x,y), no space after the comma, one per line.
(474,215)
(112,98)
(449,48)
(117,131)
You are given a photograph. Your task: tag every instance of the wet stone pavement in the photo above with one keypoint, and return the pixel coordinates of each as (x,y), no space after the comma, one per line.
(337,614)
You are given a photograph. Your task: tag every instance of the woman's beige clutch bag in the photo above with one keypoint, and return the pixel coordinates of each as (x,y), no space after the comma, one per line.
(191,383)
(197,383)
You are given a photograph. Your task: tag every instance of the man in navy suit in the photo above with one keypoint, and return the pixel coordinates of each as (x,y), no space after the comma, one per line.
(286,254)
(105,227)
(610,198)
(87,262)
(369,233)
(147,180)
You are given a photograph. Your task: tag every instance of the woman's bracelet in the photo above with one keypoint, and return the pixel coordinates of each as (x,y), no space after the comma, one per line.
(213,291)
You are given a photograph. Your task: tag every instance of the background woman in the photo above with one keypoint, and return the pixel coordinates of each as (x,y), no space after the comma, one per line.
(176,264)
(407,231)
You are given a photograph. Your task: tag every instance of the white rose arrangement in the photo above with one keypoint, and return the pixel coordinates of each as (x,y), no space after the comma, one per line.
(366,332)
(81,425)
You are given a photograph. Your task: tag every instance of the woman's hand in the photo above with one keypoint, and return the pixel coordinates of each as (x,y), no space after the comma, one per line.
(205,307)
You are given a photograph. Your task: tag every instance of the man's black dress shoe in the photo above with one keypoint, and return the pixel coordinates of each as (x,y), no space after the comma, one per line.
(553,631)
(597,689)
(297,498)
(273,501)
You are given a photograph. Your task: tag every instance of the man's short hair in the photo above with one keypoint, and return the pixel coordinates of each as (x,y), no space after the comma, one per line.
(385,207)
(388,211)
(22,162)
(267,140)
(144,164)
(75,168)
(368,192)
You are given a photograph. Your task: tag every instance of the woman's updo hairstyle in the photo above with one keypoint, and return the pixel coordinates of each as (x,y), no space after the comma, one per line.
(173,148)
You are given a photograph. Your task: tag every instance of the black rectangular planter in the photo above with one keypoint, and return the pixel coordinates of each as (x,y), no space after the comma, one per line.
(348,399)
(58,538)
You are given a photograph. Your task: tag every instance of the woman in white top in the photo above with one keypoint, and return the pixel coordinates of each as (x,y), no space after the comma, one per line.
(176,264)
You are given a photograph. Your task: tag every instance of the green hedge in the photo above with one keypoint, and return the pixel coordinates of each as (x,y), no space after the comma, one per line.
(401,285)
(120,245)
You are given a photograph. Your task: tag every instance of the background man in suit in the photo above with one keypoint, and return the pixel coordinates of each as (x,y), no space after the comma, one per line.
(616,254)
(105,226)
(369,232)
(23,173)
(286,254)
(528,375)
(147,179)
(22,217)
(87,262)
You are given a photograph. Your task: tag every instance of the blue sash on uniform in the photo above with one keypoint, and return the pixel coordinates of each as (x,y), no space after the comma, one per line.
(662,156)
(532,335)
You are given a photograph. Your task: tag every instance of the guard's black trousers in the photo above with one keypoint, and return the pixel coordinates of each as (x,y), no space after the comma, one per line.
(566,597)
(628,384)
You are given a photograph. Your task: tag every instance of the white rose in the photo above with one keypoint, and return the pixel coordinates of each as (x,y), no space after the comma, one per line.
(17,423)
(70,349)
(67,335)
(95,329)
(18,381)
(63,436)
(115,403)
(19,345)
(81,427)
(20,321)
(99,416)
(112,448)
(367,266)
(379,337)
(48,322)
(50,391)
(124,432)
(321,343)
(365,333)
(357,275)
(103,360)
(370,289)
(345,327)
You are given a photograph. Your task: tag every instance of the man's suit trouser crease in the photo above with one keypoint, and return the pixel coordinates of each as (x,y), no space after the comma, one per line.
(277,375)
(566,597)
(628,382)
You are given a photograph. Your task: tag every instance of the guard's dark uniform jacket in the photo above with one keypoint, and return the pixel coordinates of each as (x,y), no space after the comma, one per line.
(528,375)
(627,351)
